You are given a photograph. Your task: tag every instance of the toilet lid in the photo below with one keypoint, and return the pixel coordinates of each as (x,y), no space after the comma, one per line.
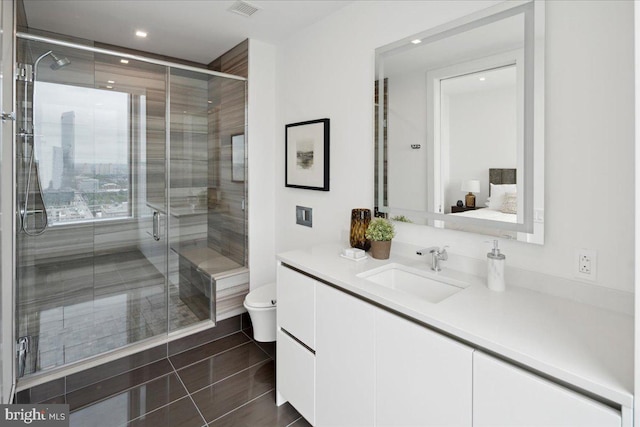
(264,296)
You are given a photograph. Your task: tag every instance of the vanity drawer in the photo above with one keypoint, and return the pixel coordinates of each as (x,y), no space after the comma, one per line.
(296,367)
(297,305)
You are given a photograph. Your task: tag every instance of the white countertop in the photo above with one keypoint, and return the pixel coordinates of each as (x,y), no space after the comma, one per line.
(586,346)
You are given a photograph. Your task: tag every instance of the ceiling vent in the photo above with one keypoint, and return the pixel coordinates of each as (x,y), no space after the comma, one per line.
(243,8)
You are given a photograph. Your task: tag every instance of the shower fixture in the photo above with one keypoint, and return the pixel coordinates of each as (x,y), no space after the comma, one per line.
(58,61)
(28,74)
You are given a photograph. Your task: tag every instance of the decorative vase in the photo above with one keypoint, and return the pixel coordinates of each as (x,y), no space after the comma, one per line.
(380,249)
(360,219)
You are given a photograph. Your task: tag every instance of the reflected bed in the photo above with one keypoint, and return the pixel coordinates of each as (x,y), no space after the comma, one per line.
(493,211)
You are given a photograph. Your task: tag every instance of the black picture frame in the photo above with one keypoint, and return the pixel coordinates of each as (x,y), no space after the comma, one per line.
(306,162)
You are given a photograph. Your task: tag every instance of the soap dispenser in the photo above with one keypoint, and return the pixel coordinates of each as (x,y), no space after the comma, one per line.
(495,269)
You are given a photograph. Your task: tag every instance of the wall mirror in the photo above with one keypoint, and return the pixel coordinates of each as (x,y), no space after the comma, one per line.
(459,116)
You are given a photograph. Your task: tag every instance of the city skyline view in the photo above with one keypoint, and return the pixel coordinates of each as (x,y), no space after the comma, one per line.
(83,162)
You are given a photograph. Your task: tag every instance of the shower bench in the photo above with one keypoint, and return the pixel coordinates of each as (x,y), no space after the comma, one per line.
(204,272)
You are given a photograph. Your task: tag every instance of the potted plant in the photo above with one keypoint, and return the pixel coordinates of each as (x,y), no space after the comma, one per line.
(380,232)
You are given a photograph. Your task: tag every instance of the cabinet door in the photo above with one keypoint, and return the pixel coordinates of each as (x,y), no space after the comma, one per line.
(296,305)
(345,368)
(296,376)
(504,395)
(423,378)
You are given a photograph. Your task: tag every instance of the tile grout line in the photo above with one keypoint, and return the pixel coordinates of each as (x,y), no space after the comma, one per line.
(107,378)
(155,410)
(244,404)
(256,343)
(67,392)
(189,394)
(295,421)
(200,345)
(119,392)
(212,356)
(262,362)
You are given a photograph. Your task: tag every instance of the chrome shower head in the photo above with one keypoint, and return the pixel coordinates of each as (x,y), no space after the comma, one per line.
(59,61)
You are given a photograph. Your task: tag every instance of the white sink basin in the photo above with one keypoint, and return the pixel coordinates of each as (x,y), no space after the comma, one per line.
(412,281)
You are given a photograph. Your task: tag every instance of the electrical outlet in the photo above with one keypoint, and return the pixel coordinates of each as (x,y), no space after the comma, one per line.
(586,263)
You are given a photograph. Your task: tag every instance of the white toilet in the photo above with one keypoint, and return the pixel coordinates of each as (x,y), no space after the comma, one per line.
(261,305)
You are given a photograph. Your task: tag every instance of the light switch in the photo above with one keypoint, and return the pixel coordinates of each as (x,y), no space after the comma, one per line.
(304,216)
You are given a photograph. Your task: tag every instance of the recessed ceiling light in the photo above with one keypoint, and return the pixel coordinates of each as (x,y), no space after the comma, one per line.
(111,82)
(209,102)
(124,61)
(416,41)
(141,33)
(482,79)
(109,87)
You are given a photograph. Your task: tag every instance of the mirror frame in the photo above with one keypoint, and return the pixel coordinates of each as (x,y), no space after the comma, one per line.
(532,222)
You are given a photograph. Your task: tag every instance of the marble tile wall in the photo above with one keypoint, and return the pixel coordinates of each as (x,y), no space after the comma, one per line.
(227,228)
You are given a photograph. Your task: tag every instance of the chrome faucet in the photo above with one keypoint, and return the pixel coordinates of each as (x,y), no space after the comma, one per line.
(437,255)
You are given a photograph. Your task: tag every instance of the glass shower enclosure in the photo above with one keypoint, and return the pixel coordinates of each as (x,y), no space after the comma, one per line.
(130,197)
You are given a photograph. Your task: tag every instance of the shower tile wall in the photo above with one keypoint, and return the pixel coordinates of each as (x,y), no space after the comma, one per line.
(227,205)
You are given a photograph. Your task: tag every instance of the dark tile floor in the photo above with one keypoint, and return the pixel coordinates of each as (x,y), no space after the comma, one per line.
(227,382)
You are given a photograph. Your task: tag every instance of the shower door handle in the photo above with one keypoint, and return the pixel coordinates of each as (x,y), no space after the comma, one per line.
(156,226)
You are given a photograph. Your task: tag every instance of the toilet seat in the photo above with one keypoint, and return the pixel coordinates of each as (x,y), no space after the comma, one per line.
(261,306)
(262,297)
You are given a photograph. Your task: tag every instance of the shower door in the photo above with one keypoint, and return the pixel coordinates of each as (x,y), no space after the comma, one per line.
(92,195)
(207,230)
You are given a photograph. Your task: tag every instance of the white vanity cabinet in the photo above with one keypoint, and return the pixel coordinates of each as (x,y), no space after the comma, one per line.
(296,305)
(345,359)
(296,322)
(422,377)
(505,395)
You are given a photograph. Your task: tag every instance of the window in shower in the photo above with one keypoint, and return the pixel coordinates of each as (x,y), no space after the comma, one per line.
(84,151)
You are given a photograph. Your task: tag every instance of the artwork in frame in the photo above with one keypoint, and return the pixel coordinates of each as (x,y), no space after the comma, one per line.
(237,158)
(307,155)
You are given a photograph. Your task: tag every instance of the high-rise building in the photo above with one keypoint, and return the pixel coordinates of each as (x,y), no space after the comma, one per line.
(57,168)
(68,139)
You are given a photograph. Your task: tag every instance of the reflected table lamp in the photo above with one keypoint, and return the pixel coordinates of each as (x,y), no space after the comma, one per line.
(472,186)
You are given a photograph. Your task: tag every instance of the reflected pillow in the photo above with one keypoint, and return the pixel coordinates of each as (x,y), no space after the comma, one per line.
(497,194)
(510,203)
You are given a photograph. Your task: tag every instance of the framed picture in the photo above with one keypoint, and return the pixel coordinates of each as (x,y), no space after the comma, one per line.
(307,155)
(237,158)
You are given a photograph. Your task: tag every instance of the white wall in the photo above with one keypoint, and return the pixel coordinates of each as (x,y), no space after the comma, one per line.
(260,152)
(327,71)
(637,217)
